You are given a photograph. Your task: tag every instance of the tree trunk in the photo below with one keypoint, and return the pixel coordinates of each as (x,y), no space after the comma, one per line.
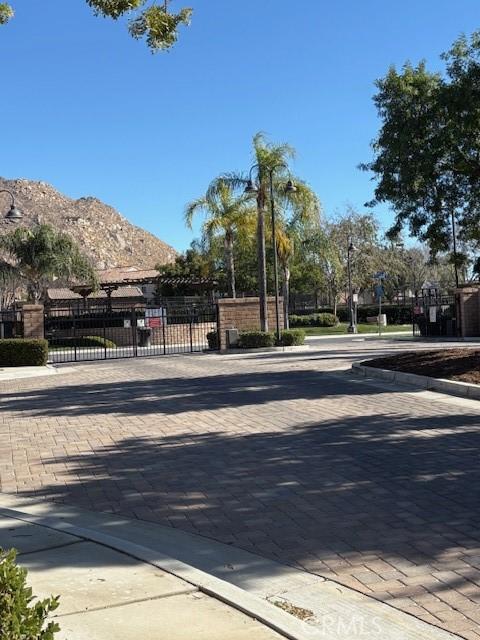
(230,262)
(334,304)
(262,268)
(286,295)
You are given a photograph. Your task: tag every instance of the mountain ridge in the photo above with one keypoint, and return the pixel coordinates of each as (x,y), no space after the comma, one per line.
(105,235)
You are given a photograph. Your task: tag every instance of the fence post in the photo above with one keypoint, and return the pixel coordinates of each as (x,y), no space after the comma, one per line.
(133,323)
(191,336)
(164,319)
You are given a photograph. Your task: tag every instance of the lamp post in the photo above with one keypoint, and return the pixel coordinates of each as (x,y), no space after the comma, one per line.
(251,187)
(352,327)
(13,214)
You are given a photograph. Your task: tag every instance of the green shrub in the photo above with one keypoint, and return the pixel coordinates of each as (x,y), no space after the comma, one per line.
(212,339)
(326,320)
(255,339)
(19,619)
(16,352)
(314,320)
(292,338)
(82,341)
(300,321)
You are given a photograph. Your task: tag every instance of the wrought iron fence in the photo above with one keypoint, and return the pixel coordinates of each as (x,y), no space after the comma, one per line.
(435,315)
(11,324)
(100,333)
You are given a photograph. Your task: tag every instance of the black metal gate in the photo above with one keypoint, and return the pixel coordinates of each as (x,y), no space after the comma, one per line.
(435,315)
(76,333)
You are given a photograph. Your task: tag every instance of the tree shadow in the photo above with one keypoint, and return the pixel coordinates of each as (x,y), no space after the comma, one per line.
(331,497)
(177,395)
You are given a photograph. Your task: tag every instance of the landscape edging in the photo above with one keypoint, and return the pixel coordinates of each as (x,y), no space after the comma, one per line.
(452,387)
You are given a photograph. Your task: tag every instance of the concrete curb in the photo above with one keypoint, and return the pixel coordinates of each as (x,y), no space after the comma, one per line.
(345,336)
(264,612)
(21,373)
(237,352)
(451,387)
(251,584)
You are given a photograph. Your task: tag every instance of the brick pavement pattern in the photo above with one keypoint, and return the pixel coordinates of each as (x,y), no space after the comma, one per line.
(288,457)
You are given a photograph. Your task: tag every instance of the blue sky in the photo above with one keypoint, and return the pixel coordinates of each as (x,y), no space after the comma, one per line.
(91,111)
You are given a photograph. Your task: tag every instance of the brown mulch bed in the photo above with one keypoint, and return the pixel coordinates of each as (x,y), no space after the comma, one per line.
(454,364)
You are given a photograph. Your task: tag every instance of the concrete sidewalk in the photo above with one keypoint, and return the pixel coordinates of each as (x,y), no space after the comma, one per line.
(106,594)
(165,574)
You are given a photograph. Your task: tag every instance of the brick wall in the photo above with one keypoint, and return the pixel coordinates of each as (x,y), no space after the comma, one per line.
(244,314)
(33,321)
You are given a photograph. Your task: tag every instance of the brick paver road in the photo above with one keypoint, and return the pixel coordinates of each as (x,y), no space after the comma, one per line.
(289,457)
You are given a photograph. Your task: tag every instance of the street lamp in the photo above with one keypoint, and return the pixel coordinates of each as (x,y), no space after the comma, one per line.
(251,187)
(13,214)
(352,327)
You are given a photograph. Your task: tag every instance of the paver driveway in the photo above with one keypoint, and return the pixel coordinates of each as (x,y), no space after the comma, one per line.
(289,457)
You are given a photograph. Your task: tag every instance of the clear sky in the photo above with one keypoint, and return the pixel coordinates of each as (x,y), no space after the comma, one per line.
(89,110)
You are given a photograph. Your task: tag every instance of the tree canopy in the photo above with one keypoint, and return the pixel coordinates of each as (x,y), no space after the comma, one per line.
(148,21)
(39,256)
(427,154)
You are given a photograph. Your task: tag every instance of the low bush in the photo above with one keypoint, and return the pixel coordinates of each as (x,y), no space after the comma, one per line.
(314,320)
(212,339)
(19,619)
(292,338)
(255,339)
(16,352)
(82,341)
(326,320)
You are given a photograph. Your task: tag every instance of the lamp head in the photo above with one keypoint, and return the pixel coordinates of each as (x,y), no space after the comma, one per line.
(290,188)
(14,214)
(251,188)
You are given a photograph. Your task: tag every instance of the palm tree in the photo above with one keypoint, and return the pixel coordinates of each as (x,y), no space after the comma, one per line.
(225,213)
(40,255)
(271,159)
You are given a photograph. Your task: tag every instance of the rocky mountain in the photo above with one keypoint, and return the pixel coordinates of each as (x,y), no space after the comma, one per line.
(106,236)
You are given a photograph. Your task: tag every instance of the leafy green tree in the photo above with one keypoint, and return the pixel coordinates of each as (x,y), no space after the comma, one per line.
(224,213)
(426,156)
(352,227)
(41,255)
(270,157)
(153,23)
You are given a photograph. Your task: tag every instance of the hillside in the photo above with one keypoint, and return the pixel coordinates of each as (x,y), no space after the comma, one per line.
(105,235)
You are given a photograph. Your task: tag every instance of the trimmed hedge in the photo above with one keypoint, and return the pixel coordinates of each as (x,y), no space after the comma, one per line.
(19,618)
(255,339)
(396,314)
(292,338)
(17,352)
(260,339)
(82,341)
(314,320)
(212,339)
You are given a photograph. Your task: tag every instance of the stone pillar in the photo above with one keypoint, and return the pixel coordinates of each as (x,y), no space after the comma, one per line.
(468,308)
(244,314)
(33,321)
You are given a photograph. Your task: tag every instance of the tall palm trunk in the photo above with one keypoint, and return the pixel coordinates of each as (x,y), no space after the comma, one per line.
(286,294)
(230,262)
(262,267)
